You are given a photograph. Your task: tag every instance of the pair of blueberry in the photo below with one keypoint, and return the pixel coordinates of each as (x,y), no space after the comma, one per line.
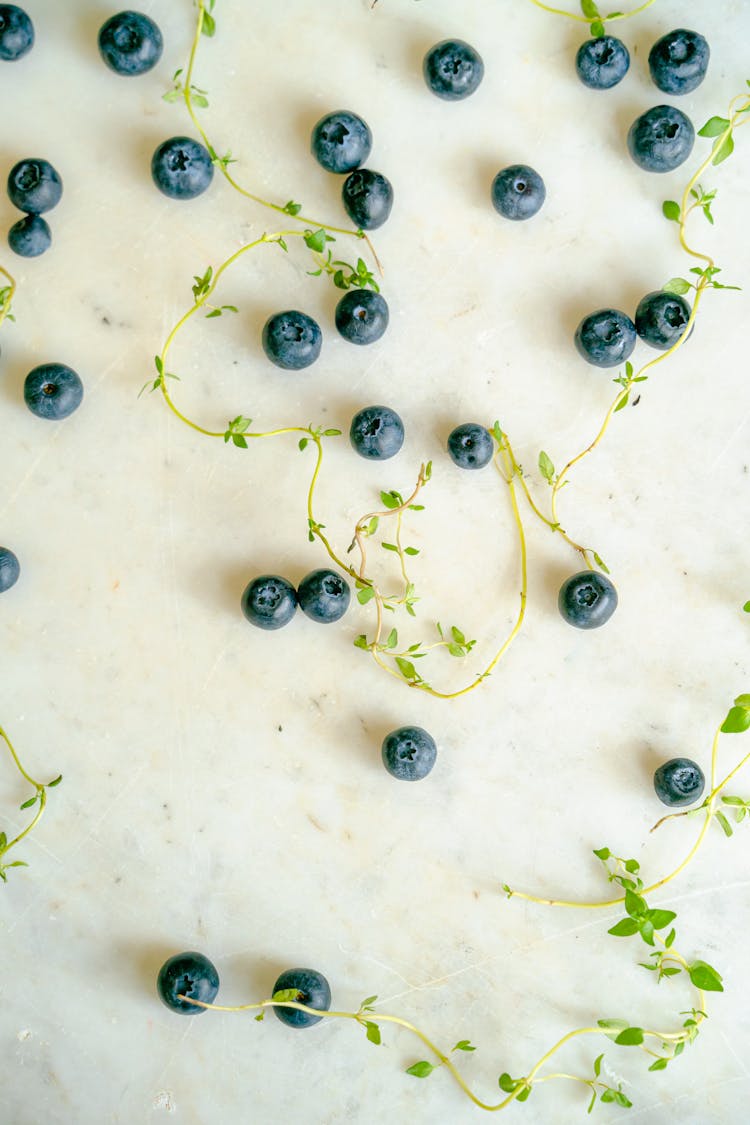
(678,62)
(606,338)
(194,976)
(293,339)
(341,142)
(271,601)
(35,187)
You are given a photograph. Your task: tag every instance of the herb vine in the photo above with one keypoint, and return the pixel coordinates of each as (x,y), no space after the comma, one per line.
(38,801)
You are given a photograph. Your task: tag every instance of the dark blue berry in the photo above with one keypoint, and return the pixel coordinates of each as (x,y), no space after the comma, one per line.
(376,432)
(16,33)
(314,991)
(269,601)
(341,141)
(409,753)
(52,391)
(291,339)
(368,198)
(661,139)
(605,338)
(34,186)
(678,61)
(130,43)
(587,599)
(10,569)
(452,69)
(470,446)
(602,63)
(30,236)
(661,318)
(187,974)
(324,596)
(679,781)
(362,316)
(181,168)
(518,192)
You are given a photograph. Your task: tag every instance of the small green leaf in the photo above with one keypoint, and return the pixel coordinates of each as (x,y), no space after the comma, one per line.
(389,547)
(705,977)
(660,919)
(366,594)
(316,239)
(622,403)
(592,1103)
(723,149)
(742,701)
(421,1069)
(27,804)
(634,904)
(608,1095)
(286,994)
(292,208)
(391,500)
(367,1003)
(620,1099)
(456,650)
(660,1064)
(331,433)
(737,721)
(406,668)
(302,443)
(506,1083)
(373,1032)
(725,825)
(669,939)
(602,853)
(411,550)
(630,1037)
(624,928)
(208,27)
(546,468)
(589,9)
(611,1027)
(671,210)
(714,127)
(746,607)
(670,972)
(597,31)
(677,285)
(361,642)
(598,1064)
(600,562)
(525,1093)
(464,1045)
(3,841)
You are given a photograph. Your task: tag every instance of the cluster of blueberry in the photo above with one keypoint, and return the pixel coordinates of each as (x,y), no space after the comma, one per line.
(34,187)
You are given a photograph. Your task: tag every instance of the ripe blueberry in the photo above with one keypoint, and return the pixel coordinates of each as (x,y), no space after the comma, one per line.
(181,168)
(470,446)
(52,391)
(314,990)
(660,319)
(678,61)
(368,198)
(291,339)
(324,596)
(409,753)
(679,781)
(30,236)
(341,141)
(34,186)
(518,192)
(187,974)
(602,63)
(130,43)
(661,139)
(587,599)
(376,432)
(362,316)
(16,33)
(452,69)
(605,337)
(10,569)
(269,601)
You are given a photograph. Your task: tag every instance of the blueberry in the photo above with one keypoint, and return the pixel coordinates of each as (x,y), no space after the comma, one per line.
(16,33)
(661,139)
(452,69)
(291,339)
(269,601)
(602,63)
(605,337)
(660,319)
(678,61)
(362,316)
(518,192)
(130,43)
(341,141)
(52,391)
(30,236)
(187,974)
(34,186)
(587,599)
(10,569)
(470,446)
(409,753)
(368,198)
(181,168)
(679,781)
(377,433)
(314,990)
(324,596)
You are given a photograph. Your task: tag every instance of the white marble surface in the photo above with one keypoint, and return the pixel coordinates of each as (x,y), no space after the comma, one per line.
(222,787)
